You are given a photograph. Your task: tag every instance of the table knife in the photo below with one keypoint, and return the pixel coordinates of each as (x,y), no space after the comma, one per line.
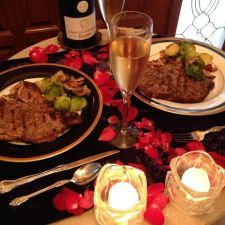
(8,185)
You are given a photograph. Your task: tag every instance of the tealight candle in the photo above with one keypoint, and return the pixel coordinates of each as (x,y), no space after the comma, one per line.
(194,182)
(197,179)
(123,196)
(120,195)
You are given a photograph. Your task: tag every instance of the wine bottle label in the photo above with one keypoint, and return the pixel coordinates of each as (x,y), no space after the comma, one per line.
(80,28)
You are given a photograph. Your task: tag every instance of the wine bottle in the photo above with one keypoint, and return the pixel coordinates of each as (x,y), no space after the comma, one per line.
(78,23)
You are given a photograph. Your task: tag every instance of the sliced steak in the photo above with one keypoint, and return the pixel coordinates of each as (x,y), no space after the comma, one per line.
(168,81)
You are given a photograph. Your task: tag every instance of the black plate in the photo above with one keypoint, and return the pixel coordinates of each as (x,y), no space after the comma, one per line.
(34,152)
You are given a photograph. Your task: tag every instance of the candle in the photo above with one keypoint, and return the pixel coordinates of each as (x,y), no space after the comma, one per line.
(123,196)
(197,179)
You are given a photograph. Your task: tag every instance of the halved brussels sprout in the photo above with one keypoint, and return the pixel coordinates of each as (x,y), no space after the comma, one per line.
(62,103)
(77,103)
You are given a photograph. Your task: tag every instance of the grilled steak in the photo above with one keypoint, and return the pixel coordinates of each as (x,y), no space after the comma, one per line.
(26,116)
(167,80)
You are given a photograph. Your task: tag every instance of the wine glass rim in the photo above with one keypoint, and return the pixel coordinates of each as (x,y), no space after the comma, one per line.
(132,12)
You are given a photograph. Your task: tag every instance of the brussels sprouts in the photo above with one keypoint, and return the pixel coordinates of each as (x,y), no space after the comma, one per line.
(44,84)
(54,91)
(172,49)
(77,103)
(62,103)
(187,48)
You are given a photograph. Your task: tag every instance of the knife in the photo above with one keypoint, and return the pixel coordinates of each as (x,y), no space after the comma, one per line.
(8,185)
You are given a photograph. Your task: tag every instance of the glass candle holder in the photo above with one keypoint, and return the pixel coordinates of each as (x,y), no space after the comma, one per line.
(188,199)
(120,195)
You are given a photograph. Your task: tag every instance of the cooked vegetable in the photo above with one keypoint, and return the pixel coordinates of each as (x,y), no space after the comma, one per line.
(77,103)
(206,58)
(172,49)
(54,91)
(44,85)
(194,71)
(62,103)
(186,48)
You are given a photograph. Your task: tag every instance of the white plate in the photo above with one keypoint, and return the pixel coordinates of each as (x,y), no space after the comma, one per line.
(213,103)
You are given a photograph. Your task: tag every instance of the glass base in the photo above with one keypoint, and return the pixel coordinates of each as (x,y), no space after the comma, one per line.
(125,140)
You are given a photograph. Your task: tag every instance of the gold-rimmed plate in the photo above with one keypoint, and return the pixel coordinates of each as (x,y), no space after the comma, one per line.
(213,103)
(13,152)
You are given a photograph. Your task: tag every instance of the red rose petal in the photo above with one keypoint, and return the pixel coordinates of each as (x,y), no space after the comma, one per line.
(166,139)
(145,124)
(219,159)
(87,201)
(51,49)
(151,152)
(120,163)
(37,55)
(102,56)
(154,215)
(160,200)
(108,134)
(78,211)
(75,63)
(194,145)
(101,77)
(59,203)
(88,57)
(113,119)
(156,188)
(132,112)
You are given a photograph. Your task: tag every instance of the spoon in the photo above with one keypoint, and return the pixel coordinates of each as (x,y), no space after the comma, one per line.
(81,176)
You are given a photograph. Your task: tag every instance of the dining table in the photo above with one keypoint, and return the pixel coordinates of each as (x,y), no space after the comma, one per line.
(40,209)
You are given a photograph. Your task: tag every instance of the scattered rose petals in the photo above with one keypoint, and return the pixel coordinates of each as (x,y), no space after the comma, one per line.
(73,202)
(51,49)
(108,134)
(88,57)
(58,202)
(132,112)
(75,63)
(101,77)
(151,152)
(37,55)
(194,145)
(145,124)
(120,163)
(160,200)
(219,159)
(113,120)
(87,201)
(154,215)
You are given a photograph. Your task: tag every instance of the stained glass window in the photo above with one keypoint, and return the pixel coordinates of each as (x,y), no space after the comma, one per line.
(202,20)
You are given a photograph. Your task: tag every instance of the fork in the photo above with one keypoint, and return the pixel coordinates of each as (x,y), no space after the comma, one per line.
(198,135)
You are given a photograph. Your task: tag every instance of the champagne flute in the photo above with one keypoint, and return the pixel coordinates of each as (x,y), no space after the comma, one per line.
(108,8)
(131,35)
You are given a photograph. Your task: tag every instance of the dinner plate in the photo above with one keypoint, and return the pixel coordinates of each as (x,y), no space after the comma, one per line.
(213,103)
(15,152)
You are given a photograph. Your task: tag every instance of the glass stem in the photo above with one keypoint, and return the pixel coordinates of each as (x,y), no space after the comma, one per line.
(126,105)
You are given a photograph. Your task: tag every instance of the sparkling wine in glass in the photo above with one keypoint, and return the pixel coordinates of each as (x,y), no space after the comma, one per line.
(109,8)
(131,34)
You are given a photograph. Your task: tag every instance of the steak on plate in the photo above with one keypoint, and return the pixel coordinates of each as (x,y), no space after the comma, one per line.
(167,80)
(26,116)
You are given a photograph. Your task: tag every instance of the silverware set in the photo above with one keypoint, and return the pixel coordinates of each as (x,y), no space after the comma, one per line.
(82,176)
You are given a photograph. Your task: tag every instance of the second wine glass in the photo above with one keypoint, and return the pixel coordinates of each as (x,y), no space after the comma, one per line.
(109,8)
(131,34)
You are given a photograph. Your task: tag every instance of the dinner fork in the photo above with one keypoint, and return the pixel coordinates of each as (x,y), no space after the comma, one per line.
(198,135)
